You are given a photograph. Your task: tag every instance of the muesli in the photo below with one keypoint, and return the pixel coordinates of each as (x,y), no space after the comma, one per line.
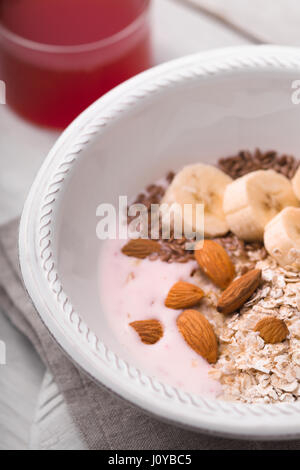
(221,318)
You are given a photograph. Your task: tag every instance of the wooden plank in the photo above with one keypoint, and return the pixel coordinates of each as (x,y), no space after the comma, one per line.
(274,22)
(179,31)
(23,148)
(20,381)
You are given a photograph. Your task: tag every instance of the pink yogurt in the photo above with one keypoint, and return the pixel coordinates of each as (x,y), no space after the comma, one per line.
(139,289)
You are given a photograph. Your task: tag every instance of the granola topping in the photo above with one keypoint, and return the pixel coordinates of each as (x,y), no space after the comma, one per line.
(250,370)
(246,299)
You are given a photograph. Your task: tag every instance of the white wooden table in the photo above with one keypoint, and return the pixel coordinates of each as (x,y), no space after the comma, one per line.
(32,412)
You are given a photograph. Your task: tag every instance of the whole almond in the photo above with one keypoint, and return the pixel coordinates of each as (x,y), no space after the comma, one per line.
(198,334)
(141,248)
(272,330)
(150,331)
(183,295)
(239,291)
(215,263)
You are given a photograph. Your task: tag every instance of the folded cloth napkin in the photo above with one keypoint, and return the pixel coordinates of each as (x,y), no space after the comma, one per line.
(104,421)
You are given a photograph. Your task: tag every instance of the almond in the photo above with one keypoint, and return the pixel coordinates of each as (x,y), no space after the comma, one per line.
(141,248)
(198,334)
(240,290)
(215,263)
(150,331)
(272,330)
(183,295)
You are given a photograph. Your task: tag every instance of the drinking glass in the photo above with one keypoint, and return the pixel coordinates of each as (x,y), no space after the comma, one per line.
(58,56)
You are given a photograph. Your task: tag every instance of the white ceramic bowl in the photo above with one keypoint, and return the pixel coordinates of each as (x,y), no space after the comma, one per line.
(197,108)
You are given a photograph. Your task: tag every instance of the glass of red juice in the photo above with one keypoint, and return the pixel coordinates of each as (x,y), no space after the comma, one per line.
(58,56)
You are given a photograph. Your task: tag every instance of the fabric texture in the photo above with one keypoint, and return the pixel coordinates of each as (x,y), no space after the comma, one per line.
(104,421)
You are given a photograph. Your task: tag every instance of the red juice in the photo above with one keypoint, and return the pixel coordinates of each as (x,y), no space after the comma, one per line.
(58,56)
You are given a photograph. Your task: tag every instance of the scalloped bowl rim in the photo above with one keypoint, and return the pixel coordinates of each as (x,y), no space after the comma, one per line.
(280,421)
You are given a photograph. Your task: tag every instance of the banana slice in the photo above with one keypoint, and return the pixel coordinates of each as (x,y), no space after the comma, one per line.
(251,201)
(296,183)
(199,184)
(282,237)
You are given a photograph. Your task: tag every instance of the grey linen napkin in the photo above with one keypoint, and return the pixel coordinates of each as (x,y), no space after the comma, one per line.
(105,421)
